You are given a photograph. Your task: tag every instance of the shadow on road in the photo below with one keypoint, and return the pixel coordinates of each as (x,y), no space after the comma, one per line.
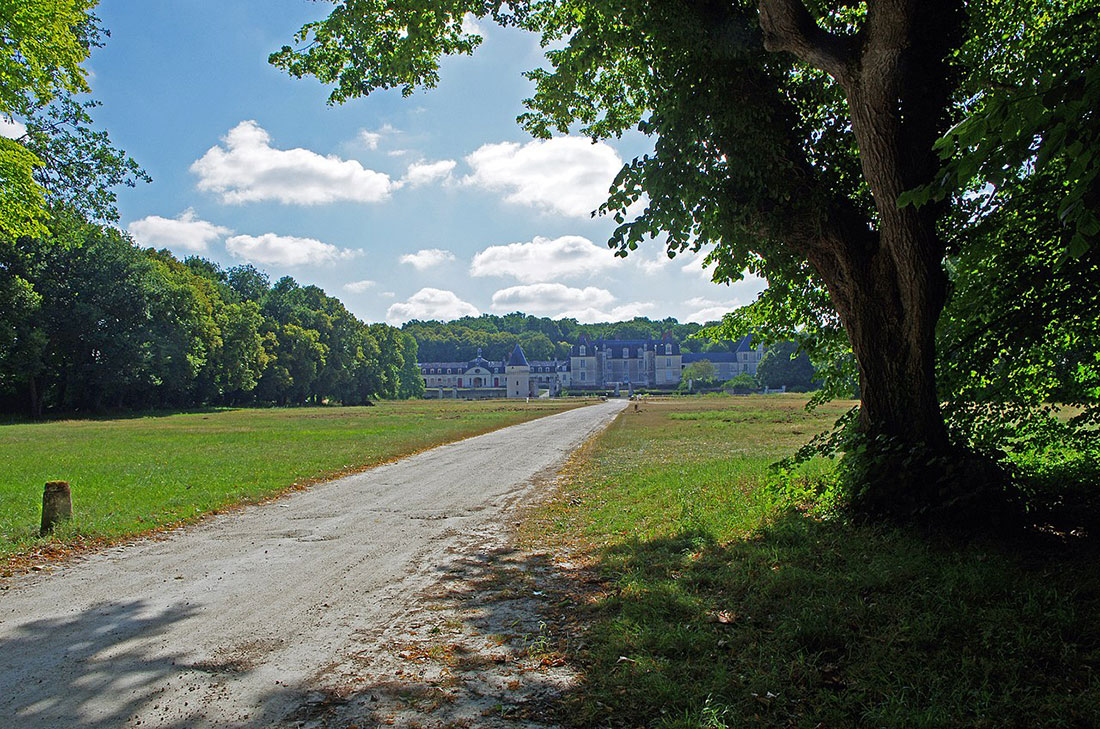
(115,673)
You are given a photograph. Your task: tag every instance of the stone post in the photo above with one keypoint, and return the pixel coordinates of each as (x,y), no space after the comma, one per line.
(57,505)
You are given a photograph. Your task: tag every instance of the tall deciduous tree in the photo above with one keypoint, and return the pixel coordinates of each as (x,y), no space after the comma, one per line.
(786,136)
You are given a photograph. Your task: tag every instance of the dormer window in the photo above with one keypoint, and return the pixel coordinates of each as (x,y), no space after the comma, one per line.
(668,349)
(583,350)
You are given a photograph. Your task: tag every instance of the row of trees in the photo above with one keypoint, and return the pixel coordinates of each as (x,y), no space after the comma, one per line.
(783,365)
(89,322)
(541,337)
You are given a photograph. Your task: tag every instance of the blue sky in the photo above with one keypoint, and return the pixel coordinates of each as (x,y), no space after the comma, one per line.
(432,206)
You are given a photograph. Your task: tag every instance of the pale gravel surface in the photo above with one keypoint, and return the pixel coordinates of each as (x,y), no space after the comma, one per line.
(243,620)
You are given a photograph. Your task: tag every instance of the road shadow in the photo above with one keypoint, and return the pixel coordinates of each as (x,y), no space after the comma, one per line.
(484,647)
(91,670)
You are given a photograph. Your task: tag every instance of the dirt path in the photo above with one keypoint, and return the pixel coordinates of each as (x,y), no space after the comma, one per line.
(244,620)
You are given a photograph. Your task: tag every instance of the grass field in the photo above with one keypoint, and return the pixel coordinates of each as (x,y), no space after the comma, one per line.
(709,606)
(131,475)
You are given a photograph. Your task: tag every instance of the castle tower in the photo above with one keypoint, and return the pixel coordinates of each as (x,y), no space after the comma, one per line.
(517,374)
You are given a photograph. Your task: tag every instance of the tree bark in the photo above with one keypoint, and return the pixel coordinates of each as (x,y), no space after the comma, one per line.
(888,284)
(889,294)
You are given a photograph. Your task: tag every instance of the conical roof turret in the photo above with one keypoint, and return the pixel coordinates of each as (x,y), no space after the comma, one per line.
(517,359)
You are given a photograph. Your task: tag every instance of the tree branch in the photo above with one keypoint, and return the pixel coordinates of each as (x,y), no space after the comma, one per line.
(788,26)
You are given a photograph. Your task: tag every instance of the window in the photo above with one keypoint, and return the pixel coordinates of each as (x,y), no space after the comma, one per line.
(640,353)
(626,352)
(583,349)
(583,375)
(668,349)
(668,362)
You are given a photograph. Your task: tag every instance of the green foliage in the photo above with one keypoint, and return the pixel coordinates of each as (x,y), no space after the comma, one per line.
(1031,95)
(90,322)
(702,372)
(60,158)
(743,381)
(785,365)
(542,338)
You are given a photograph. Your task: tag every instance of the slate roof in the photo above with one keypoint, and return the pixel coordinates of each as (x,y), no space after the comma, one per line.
(689,357)
(517,359)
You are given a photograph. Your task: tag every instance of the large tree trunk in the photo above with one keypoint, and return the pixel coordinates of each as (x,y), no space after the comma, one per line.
(888,285)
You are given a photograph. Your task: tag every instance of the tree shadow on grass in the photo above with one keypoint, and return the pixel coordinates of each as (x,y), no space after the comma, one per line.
(809,624)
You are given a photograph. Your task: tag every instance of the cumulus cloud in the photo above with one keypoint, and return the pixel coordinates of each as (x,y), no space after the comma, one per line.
(696,267)
(428,303)
(564,175)
(184,232)
(592,315)
(709,309)
(358,287)
(654,264)
(421,173)
(587,305)
(285,250)
(249,169)
(12,129)
(549,298)
(543,259)
(426,258)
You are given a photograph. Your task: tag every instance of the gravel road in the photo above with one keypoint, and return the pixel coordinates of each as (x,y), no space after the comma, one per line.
(230,623)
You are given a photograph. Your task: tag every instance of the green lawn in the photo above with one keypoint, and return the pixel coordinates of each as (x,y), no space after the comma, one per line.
(709,606)
(130,475)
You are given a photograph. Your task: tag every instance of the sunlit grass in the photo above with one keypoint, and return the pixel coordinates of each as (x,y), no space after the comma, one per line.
(717,607)
(129,475)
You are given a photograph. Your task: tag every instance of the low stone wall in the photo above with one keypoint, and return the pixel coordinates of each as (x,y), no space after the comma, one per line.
(465,393)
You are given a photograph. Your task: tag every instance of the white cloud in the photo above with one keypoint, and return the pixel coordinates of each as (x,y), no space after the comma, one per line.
(695,267)
(544,259)
(549,298)
(12,129)
(587,305)
(471,25)
(709,309)
(564,175)
(249,169)
(592,315)
(426,258)
(184,232)
(371,140)
(421,173)
(358,287)
(387,294)
(285,250)
(430,303)
(652,265)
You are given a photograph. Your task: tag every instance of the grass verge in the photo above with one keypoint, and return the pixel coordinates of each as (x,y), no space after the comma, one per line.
(713,607)
(133,475)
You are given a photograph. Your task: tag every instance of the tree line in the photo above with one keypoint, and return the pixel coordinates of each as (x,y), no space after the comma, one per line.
(90,322)
(542,338)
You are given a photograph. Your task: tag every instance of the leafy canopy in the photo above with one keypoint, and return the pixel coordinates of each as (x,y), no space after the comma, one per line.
(58,156)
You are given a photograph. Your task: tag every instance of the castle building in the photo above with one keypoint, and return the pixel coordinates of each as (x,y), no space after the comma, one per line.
(601,364)
(742,360)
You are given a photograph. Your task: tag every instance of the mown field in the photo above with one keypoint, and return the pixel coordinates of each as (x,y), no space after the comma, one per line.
(131,475)
(707,604)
